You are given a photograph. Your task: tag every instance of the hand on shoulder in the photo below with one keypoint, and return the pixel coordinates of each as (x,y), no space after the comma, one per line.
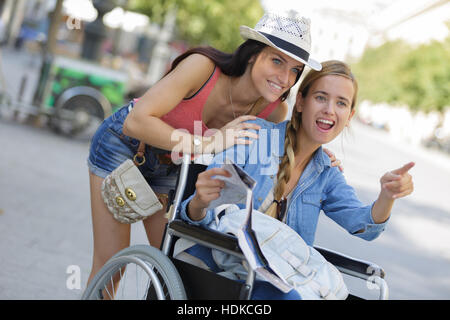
(279,114)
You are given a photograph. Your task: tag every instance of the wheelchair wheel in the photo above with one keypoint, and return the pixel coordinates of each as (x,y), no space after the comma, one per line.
(137,273)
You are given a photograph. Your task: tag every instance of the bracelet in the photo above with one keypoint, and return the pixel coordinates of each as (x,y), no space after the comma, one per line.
(197,142)
(198,145)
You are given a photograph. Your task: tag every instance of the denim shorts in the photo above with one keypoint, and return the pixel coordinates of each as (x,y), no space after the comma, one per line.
(110,147)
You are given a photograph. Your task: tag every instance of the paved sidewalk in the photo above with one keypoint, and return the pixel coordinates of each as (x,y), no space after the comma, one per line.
(45,222)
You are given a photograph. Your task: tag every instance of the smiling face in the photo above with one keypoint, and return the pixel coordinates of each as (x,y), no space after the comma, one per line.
(326,109)
(273,73)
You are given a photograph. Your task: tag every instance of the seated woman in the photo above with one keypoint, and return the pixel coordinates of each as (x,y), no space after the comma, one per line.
(303,182)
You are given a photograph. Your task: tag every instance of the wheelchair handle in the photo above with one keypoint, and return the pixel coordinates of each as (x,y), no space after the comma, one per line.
(178,199)
(181,185)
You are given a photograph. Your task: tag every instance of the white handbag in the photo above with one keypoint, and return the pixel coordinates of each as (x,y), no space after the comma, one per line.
(127,194)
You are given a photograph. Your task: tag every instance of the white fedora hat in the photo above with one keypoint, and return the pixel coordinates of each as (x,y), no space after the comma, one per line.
(287,32)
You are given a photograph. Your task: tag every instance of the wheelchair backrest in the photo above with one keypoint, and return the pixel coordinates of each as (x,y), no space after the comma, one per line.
(193,172)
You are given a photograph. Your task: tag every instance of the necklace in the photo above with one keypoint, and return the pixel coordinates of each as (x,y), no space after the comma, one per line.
(232,105)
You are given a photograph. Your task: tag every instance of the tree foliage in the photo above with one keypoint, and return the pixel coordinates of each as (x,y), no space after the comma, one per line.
(397,73)
(205,22)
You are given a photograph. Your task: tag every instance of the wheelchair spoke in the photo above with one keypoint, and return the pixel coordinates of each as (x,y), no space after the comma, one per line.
(120,284)
(148,279)
(153,287)
(107,291)
(147,287)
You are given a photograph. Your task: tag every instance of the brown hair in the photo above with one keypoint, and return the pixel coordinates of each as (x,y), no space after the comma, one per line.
(231,64)
(331,67)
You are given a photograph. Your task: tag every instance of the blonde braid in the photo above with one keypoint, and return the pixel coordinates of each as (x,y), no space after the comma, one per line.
(287,162)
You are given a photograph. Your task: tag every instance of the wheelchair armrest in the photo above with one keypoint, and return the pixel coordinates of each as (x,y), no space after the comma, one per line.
(228,243)
(351,266)
(205,236)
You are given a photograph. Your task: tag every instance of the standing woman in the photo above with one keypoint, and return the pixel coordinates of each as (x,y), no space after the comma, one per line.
(216,89)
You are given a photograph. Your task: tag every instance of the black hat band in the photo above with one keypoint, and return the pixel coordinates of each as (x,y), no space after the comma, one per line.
(299,52)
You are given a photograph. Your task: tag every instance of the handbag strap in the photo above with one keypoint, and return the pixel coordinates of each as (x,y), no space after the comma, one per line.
(140,154)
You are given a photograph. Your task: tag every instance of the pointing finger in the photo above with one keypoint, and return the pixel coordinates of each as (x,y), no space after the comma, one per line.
(404,169)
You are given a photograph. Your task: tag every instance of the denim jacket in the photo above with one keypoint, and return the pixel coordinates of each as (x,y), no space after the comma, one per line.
(320,187)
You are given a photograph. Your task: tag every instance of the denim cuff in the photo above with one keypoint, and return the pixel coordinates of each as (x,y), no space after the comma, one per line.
(184,216)
(371,230)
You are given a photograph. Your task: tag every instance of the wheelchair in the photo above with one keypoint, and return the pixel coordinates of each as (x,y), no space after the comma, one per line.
(142,272)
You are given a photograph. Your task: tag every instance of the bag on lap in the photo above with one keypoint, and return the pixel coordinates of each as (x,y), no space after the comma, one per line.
(302,266)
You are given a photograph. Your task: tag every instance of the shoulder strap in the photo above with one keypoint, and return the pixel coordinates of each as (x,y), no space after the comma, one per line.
(269,109)
(208,85)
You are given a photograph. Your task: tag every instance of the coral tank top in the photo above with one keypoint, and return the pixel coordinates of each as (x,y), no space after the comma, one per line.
(188,113)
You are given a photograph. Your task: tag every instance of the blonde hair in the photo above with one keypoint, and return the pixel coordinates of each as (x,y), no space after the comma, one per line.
(331,67)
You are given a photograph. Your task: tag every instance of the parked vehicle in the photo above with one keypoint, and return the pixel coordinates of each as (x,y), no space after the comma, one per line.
(78,92)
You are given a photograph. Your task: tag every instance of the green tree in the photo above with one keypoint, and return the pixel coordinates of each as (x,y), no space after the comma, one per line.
(397,73)
(205,22)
